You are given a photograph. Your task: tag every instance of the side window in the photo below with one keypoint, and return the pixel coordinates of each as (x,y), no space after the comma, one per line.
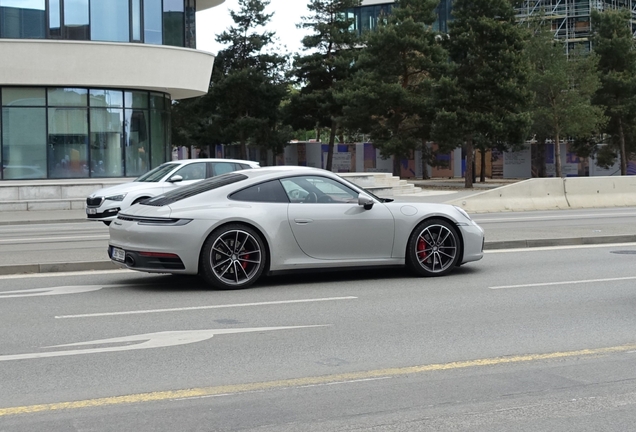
(193,171)
(316,189)
(223,168)
(270,191)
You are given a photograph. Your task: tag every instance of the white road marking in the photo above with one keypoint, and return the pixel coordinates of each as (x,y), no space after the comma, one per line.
(192,308)
(150,340)
(565,283)
(53,239)
(64,274)
(550,248)
(36,292)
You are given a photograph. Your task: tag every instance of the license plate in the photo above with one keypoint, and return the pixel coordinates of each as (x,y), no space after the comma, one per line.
(118,254)
(91,211)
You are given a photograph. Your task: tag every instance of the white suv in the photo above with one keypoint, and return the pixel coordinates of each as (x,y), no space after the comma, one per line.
(104,204)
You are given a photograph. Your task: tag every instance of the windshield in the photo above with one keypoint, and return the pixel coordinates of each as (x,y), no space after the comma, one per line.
(158,173)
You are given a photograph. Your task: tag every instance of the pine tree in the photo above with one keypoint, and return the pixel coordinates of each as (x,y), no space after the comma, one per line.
(389,96)
(484,96)
(248,84)
(614,44)
(563,86)
(329,50)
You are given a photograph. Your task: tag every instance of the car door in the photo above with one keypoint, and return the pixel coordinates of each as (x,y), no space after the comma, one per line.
(328,223)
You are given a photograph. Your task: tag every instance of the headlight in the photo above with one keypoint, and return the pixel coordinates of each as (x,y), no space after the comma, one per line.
(463,212)
(117,197)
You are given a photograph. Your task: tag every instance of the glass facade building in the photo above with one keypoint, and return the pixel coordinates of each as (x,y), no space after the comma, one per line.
(55,133)
(159,22)
(366,17)
(120,128)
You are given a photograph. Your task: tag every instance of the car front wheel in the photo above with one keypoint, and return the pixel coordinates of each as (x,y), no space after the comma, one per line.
(434,248)
(233,257)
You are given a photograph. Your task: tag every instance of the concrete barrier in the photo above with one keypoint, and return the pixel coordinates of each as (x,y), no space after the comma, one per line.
(554,194)
(596,192)
(532,194)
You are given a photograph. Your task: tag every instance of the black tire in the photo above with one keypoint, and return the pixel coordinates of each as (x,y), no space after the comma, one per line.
(233,257)
(434,248)
(107,223)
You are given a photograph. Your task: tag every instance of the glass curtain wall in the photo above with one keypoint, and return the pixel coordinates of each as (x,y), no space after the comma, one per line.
(173,23)
(157,22)
(79,133)
(23,126)
(20,19)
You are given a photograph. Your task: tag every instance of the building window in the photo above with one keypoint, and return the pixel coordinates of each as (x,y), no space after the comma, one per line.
(78,133)
(173,23)
(110,20)
(153,30)
(22,20)
(76,23)
(55,19)
(135,20)
(24,143)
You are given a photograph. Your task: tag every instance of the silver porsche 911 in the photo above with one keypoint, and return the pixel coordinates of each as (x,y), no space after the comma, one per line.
(233,228)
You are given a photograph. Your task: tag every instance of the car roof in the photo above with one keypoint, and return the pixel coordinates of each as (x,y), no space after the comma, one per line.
(273,171)
(187,161)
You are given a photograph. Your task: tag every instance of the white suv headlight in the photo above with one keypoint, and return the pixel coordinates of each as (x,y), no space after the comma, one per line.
(117,197)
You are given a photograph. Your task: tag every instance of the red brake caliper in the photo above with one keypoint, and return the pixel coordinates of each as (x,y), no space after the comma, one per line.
(421,249)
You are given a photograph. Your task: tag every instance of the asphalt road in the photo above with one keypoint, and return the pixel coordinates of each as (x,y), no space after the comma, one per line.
(527,340)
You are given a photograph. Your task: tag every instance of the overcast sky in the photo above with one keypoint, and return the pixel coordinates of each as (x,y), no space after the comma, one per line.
(287,13)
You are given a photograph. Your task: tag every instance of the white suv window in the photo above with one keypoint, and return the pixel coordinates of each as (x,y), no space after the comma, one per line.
(193,171)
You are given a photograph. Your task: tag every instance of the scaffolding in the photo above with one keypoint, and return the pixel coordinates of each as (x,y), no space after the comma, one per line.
(570,20)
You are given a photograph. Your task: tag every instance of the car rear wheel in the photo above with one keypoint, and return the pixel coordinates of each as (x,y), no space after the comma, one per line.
(233,257)
(434,248)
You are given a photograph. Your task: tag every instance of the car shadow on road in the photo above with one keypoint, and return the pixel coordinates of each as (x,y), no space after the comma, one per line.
(181,283)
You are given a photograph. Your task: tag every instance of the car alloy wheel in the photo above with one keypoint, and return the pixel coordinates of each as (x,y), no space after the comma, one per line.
(233,257)
(434,248)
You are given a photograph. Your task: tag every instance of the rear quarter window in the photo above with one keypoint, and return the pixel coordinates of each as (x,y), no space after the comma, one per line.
(271,191)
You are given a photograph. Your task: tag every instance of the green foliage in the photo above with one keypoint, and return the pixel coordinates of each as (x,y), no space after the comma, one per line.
(563,86)
(483,99)
(246,91)
(614,44)
(329,54)
(389,96)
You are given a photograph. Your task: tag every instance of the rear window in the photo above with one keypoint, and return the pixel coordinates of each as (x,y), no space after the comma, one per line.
(194,189)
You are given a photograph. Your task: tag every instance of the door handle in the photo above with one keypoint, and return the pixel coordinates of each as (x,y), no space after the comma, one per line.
(303,221)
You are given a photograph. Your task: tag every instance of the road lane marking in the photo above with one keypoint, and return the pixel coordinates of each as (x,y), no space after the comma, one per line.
(148,341)
(553,248)
(65,274)
(234,389)
(193,308)
(50,291)
(584,281)
(30,240)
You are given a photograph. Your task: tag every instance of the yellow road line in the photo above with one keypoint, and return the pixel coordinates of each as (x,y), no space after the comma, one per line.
(298,382)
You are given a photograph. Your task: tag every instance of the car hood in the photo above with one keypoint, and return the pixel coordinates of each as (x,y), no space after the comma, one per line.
(126,188)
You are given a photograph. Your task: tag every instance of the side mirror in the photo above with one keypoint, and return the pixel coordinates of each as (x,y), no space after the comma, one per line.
(175,179)
(366,201)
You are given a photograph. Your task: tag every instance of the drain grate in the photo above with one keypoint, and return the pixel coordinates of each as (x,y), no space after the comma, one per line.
(624,252)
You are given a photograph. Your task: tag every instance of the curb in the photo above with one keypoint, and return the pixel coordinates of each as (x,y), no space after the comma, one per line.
(6,270)
(34,222)
(577,241)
